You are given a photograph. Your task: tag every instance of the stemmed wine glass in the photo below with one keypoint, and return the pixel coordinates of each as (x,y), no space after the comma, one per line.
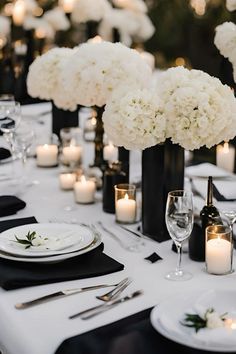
(231,217)
(179,222)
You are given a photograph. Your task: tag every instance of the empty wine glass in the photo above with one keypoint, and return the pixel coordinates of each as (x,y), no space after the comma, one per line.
(230,216)
(179,222)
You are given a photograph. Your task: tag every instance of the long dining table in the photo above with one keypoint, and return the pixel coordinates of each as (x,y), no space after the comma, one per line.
(41,329)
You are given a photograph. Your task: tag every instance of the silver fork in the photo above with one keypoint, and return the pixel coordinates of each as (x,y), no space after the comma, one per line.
(113,294)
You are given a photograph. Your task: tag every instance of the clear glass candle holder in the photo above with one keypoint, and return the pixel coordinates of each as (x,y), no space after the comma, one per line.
(125,203)
(219,250)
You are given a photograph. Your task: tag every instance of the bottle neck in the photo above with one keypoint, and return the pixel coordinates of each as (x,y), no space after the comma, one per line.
(209,200)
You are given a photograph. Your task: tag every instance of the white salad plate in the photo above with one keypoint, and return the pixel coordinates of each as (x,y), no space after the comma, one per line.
(166,318)
(58,239)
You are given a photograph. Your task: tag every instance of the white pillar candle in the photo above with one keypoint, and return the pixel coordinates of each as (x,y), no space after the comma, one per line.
(126,209)
(67,180)
(72,153)
(225,157)
(110,152)
(47,155)
(218,256)
(18,12)
(84,191)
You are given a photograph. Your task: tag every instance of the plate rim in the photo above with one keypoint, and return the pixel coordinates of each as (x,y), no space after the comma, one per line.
(42,253)
(186,340)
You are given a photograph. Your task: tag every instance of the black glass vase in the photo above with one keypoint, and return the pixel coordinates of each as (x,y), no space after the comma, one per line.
(162,171)
(63,119)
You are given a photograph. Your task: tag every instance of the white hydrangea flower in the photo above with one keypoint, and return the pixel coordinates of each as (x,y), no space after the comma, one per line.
(231,5)
(134,120)
(43,78)
(57,19)
(39,24)
(199,109)
(133,5)
(225,40)
(89,10)
(5,25)
(97,69)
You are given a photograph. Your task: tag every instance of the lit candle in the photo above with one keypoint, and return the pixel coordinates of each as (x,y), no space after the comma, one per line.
(110,152)
(84,191)
(218,255)
(225,155)
(18,12)
(126,209)
(149,59)
(67,180)
(40,33)
(47,155)
(67,5)
(96,39)
(72,153)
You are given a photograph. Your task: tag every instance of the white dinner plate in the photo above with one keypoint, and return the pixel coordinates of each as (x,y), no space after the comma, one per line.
(54,259)
(166,318)
(60,239)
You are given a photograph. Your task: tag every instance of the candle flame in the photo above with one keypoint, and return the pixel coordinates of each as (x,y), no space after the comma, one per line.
(126,196)
(73,142)
(83,179)
(226,148)
(46,146)
(96,39)
(93,120)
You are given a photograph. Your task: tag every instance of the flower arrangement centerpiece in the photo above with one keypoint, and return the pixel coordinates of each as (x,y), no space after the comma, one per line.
(190,109)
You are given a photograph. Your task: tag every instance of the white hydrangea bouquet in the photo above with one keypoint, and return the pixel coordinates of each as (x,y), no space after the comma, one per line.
(188,106)
(43,80)
(96,70)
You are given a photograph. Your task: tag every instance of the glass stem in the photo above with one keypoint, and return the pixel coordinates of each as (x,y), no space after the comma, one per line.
(179,251)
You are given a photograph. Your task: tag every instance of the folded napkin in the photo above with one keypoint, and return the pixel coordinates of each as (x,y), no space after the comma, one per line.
(4,153)
(15,274)
(9,204)
(206,169)
(131,335)
(222,190)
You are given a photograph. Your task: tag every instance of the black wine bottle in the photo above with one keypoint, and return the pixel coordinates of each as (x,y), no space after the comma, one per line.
(209,215)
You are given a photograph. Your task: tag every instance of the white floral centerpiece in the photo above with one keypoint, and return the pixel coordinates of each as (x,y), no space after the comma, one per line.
(57,19)
(97,69)
(135,119)
(225,41)
(231,5)
(199,109)
(43,78)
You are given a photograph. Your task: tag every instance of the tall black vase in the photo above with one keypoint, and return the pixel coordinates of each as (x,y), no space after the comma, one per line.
(162,171)
(63,119)
(123,157)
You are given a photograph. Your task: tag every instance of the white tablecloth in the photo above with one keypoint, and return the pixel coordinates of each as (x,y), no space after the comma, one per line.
(41,329)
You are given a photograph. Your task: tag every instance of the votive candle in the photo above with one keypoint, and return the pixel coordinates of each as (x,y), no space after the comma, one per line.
(47,155)
(84,191)
(225,157)
(67,180)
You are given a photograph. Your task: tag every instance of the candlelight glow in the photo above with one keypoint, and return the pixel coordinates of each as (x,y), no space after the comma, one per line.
(96,39)
(199,6)
(67,5)
(126,196)
(226,148)
(18,12)
(83,179)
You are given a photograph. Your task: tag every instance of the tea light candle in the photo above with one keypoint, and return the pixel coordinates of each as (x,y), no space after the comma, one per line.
(225,155)
(110,152)
(125,209)
(67,180)
(72,153)
(84,191)
(18,12)
(218,256)
(47,155)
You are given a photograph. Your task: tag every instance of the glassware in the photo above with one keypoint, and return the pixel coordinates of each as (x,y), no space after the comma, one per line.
(125,203)
(230,216)
(219,249)
(179,222)
(71,146)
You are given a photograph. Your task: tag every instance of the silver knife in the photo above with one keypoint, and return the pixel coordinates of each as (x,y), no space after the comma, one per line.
(58,294)
(96,310)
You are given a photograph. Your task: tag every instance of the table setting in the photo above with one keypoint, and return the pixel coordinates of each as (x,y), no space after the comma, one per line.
(116,242)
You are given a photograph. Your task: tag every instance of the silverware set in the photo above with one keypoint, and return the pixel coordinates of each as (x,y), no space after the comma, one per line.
(111,298)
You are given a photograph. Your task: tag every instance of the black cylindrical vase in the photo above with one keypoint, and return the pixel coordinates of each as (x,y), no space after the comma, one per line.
(162,171)
(63,119)
(123,157)
(98,141)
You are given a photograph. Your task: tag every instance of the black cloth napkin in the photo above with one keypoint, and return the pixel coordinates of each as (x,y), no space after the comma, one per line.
(220,197)
(9,204)
(14,275)
(4,153)
(131,335)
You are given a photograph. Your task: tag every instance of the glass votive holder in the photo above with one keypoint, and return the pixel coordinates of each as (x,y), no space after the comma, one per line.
(84,190)
(125,203)
(72,154)
(219,249)
(47,155)
(67,180)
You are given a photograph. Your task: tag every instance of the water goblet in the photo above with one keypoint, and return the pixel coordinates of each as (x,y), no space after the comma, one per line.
(230,216)
(179,222)
(10,117)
